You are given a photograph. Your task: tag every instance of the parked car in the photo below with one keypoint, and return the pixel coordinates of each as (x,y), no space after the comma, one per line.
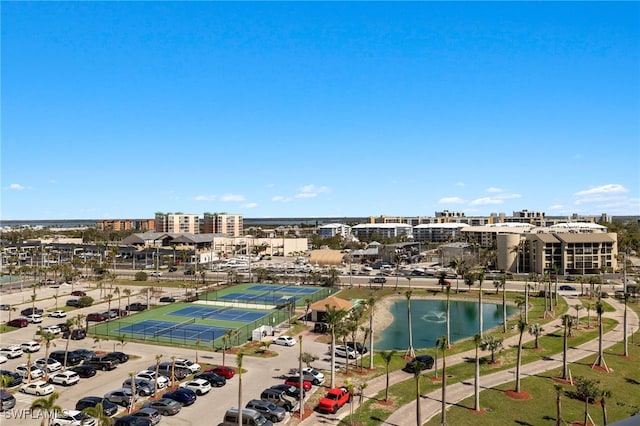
(13,378)
(73,418)
(143,387)
(7,400)
(72,303)
(18,322)
(85,354)
(212,378)
(183,396)
(321,327)
(53,329)
(310,374)
(122,396)
(121,357)
(110,314)
(222,370)
(151,377)
(425,362)
(150,414)
(166,406)
(284,341)
(49,364)
(3,359)
(84,371)
(173,269)
(79,293)
(65,378)
(359,347)
(76,334)
(24,371)
(345,351)
(334,399)
(188,364)
(31,311)
(137,306)
(164,368)
(108,407)
(119,312)
(280,398)
(102,363)
(58,314)
(38,388)
(131,420)
(96,317)
(567,287)
(11,352)
(5,307)
(189,272)
(199,386)
(30,347)
(268,409)
(70,358)
(295,382)
(167,299)
(291,391)
(34,318)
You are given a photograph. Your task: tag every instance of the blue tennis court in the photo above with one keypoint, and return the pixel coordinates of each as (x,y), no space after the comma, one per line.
(220,313)
(266,298)
(287,289)
(185,330)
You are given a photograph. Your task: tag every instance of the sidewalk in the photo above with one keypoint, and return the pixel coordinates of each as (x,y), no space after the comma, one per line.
(431,402)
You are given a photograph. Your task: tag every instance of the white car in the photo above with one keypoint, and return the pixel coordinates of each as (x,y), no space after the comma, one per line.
(199,386)
(39,388)
(285,341)
(34,318)
(13,351)
(189,365)
(3,359)
(58,314)
(155,273)
(53,329)
(66,378)
(346,351)
(150,376)
(310,374)
(73,418)
(48,364)
(36,372)
(30,346)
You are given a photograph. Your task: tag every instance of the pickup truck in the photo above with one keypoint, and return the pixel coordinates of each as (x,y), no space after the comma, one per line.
(334,400)
(103,363)
(378,280)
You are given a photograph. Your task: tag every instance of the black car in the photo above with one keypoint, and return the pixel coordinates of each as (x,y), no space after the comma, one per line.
(73,302)
(64,327)
(425,362)
(121,357)
(132,420)
(31,311)
(85,354)
(167,299)
(189,272)
(567,287)
(71,358)
(173,269)
(76,334)
(321,327)
(108,407)
(359,347)
(212,378)
(14,378)
(183,396)
(84,371)
(291,391)
(137,306)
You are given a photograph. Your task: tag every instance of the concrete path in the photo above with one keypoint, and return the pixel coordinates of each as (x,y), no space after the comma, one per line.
(431,403)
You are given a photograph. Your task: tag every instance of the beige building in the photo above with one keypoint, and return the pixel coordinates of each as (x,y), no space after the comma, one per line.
(177,223)
(222,223)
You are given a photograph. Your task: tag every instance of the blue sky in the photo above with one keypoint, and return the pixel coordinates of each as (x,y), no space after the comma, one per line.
(124,109)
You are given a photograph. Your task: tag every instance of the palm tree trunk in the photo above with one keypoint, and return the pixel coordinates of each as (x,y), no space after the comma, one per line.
(444,389)
(476,383)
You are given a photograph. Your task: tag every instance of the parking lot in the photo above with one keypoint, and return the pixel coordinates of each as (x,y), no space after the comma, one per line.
(259,372)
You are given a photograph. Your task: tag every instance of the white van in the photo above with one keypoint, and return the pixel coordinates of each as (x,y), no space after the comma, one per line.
(250,417)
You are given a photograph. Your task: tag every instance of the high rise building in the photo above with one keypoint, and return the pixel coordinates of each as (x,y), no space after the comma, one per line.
(223,223)
(177,223)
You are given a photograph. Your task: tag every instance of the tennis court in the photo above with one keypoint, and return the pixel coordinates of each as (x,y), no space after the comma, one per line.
(286,289)
(267,297)
(186,330)
(219,313)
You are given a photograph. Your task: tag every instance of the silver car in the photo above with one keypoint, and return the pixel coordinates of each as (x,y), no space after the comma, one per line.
(122,396)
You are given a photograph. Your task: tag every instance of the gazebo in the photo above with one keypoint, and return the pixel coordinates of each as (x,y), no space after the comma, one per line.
(319,308)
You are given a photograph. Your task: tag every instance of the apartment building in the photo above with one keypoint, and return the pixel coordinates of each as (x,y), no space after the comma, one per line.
(330,230)
(177,223)
(231,225)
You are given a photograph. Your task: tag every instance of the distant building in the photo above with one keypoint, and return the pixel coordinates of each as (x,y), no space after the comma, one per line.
(382,230)
(332,229)
(223,223)
(177,223)
(125,224)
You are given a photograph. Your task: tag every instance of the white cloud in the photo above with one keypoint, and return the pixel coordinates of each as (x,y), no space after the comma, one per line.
(204,197)
(486,200)
(311,191)
(249,205)
(611,188)
(556,207)
(280,198)
(459,184)
(451,200)
(306,195)
(493,190)
(603,195)
(232,197)
(16,187)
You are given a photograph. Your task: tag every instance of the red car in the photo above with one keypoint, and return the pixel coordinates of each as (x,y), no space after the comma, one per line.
(222,370)
(295,382)
(334,399)
(96,316)
(18,322)
(78,293)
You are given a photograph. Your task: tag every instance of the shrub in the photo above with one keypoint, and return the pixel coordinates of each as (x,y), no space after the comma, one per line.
(85,301)
(141,276)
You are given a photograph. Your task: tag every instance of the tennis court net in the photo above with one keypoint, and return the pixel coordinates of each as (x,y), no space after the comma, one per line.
(173,327)
(214,312)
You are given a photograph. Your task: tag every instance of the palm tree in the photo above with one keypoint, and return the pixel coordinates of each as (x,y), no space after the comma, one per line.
(604,395)
(333,317)
(476,383)
(522,326)
(503,284)
(600,360)
(449,315)
(417,370)
(441,344)
(491,343)
(127,292)
(559,391)
(48,339)
(589,306)
(47,406)
(197,343)
(71,324)
(458,265)
(624,326)
(155,382)
(307,306)
(239,357)
(410,351)
(536,330)
(371,302)
(566,319)
(578,307)
(97,412)
(386,357)
(480,275)
(173,371)
(116,291)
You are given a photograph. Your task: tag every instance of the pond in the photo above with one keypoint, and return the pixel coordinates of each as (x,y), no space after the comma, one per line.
(428,321)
